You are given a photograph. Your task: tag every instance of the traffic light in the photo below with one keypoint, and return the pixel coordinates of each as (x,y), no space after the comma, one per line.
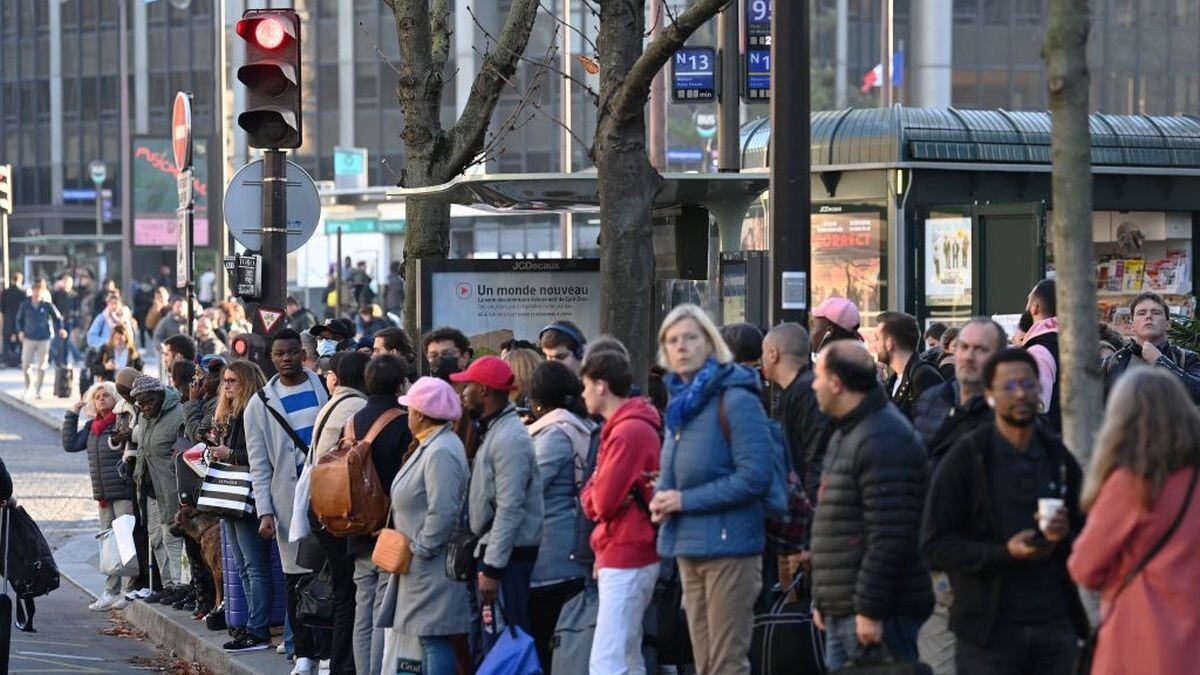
(6,188)
(271,74)
(253,347)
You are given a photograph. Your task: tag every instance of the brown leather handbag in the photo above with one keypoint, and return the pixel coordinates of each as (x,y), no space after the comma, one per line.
(393,551)
(346,493)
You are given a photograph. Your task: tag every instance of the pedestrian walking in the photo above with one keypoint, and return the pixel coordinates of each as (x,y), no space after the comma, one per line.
(427,496)
(112,486)
(870,585)
(279,422)
(1041,341)
(895,342)
(1002,512)
(943,416)
(38,322)
(561,439)
(1140,544)
(615,498)
(715,474)
(505,503)
(1150,346)
(11,299)
(386,379)
(240,381)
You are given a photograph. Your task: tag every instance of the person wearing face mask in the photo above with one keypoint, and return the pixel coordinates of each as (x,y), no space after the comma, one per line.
(1150,348)
(333,336)
(447,351)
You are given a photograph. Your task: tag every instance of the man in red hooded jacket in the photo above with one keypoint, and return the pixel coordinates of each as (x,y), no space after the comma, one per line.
(616,499)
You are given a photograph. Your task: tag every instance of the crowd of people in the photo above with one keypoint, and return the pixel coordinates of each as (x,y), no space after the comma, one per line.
(949,523)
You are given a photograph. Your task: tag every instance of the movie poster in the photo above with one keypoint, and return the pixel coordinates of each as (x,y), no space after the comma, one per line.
(948,262)
(847,259)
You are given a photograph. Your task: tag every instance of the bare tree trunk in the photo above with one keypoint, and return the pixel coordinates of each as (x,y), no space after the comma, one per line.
(1065,52)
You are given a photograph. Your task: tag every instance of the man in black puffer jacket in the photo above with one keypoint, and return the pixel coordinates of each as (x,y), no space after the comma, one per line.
(1150,347)
(870,584)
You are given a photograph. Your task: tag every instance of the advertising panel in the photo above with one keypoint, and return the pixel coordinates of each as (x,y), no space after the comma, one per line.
(495,300)
(847,258)
(156,194)
(948,262)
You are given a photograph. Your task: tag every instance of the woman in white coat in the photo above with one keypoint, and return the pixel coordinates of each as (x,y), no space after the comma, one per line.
(427,498)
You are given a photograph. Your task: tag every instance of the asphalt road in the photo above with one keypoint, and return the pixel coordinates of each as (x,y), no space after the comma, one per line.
(54,487)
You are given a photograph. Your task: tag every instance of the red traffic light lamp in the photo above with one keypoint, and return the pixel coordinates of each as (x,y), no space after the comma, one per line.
(271,74)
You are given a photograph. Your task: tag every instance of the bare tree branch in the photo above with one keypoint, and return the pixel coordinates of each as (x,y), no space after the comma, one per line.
(378,50)
(419,88)
(629,98)
(563,22)
(467,135)
(546,63)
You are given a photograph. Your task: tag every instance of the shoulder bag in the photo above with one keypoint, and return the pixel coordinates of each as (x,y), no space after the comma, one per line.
(1086,655)
(303,447)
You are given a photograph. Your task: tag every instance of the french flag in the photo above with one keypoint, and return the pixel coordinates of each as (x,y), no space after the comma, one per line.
(874,77)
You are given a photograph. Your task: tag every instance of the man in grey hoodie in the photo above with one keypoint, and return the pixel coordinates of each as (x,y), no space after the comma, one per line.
(505,500)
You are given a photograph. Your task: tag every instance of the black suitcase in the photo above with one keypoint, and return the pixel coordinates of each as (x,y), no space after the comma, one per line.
(63,379)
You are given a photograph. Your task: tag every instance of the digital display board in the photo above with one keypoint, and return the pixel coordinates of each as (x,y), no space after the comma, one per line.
(694,75)
(758,75)
(758,23)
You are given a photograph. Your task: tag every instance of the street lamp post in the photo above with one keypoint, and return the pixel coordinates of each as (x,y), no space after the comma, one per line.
(99,173)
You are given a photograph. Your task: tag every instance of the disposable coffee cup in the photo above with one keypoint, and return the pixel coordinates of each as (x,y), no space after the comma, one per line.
(1047,509)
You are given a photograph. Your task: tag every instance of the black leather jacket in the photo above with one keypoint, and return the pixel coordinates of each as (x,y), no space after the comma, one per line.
(1184,363)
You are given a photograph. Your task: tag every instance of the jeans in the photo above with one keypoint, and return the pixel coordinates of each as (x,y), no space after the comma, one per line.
(617,642)
(253,556)
(1042,649)
(108,513)
(437,655)
(514,598)
(841,639)
(369,583)
(719,594)
(545,604)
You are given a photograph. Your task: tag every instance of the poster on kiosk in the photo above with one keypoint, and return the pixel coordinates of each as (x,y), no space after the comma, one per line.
(492,301)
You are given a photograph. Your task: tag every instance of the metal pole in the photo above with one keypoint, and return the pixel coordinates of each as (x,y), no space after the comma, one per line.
(216,154)
(566,223)
(4,236)
(191,267)
(337,306)
(885,51)
(99,222)
(842,50)
(126,148)
(728,110)
(791,247)
(274,229)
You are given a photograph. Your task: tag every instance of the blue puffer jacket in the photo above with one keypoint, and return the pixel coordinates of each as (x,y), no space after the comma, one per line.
(723,487)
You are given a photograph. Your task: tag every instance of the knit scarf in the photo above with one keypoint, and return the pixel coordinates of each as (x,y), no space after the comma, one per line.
(689,398)
(99,424)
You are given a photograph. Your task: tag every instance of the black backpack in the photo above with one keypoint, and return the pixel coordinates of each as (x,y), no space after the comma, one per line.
(582,551)
(32,571)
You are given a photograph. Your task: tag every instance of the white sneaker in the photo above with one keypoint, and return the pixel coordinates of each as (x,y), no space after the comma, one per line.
(120,603)
(143,593)
(281,649)
(323,666)
(103,603)
(304,666)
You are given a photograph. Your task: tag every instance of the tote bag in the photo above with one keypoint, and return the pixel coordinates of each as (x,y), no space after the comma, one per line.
(226,491)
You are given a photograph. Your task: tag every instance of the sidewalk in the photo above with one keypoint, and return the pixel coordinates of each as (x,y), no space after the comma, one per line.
(76,558)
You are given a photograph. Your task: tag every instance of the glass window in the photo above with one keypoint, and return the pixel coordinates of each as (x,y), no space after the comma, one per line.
(849,249)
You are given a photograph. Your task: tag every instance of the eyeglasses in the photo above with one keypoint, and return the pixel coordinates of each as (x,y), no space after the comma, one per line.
(228,380)
(1012,386)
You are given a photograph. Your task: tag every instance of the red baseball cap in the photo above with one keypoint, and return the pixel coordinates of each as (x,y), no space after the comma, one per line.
(489,371)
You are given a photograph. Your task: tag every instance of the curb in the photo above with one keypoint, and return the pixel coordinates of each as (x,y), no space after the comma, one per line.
(44,417)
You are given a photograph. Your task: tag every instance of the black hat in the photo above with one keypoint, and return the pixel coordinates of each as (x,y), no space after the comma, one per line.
(343,329)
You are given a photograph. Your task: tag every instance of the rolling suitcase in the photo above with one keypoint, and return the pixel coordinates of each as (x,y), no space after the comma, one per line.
(64,374)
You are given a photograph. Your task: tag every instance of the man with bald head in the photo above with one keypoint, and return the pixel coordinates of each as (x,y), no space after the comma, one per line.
(787,363)
(870,584)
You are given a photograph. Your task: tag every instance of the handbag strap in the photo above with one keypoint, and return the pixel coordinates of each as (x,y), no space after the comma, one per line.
(1162,541)
(377,428)
(284,423)
(320,426)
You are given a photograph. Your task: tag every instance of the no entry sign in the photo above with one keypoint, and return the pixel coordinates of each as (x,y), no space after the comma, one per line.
(181,130)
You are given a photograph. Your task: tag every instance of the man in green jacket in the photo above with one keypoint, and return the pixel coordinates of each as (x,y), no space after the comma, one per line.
(162,424)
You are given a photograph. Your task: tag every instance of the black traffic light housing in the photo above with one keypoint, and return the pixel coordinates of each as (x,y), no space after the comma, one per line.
(253,347)
(6,189)
(271,74)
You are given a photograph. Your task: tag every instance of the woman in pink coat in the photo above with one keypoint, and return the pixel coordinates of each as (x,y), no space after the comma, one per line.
(1138,483)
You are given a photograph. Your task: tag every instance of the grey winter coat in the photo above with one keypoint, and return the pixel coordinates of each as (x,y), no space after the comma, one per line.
(331,420)
(158,436)
(427,497)
(274,459)
(108,481)
(558,439)
(506,491)
(198,416)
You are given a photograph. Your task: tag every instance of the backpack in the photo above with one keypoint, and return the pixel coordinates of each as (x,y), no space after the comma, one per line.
(582,551)
(346,493)
(31,569)
(789,511)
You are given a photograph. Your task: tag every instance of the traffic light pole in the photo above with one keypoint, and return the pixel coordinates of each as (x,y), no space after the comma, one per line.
(728,110)
(791,191)
(274,229)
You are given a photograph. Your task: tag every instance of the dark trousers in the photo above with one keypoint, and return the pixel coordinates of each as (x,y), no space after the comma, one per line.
(303,640)
(341,652)
(545,604)
(203,584)
(1042,649)
(514,596)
